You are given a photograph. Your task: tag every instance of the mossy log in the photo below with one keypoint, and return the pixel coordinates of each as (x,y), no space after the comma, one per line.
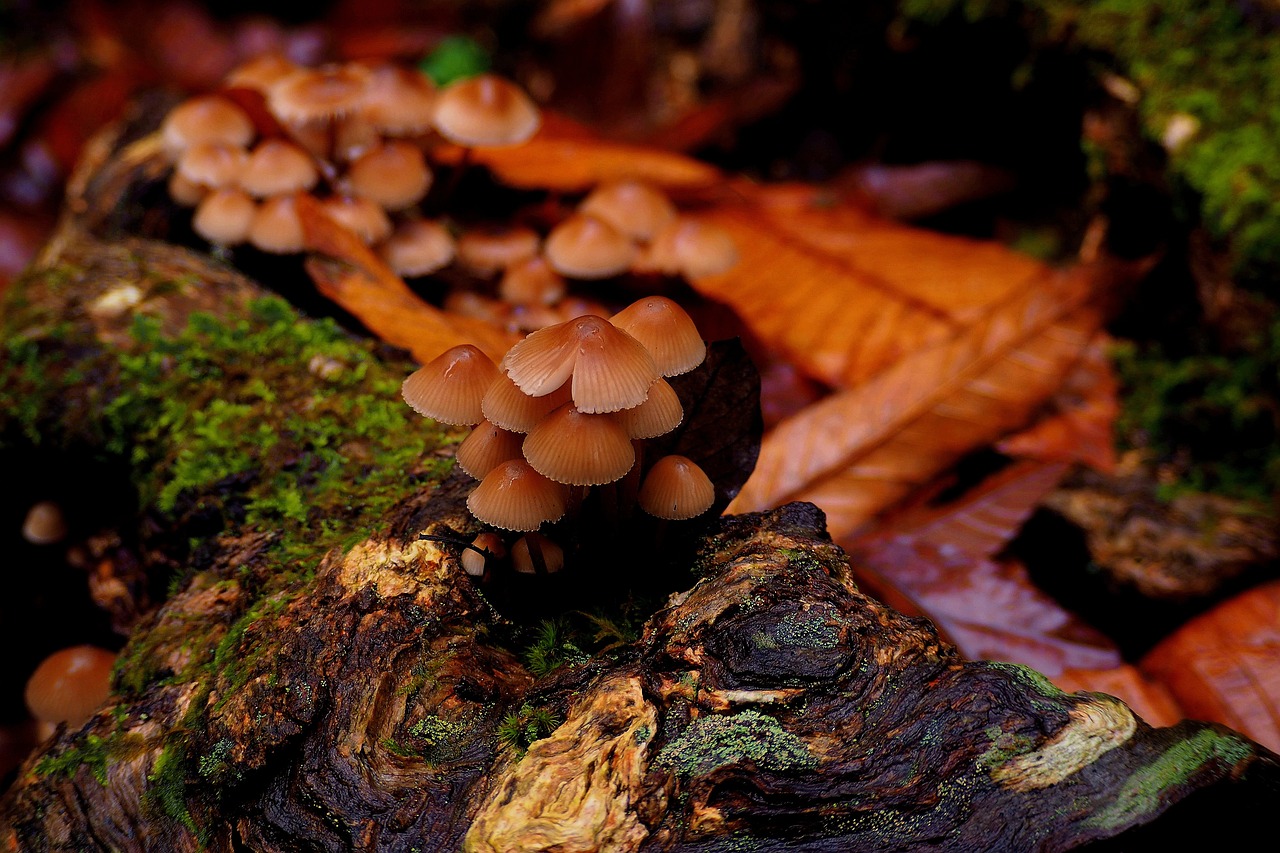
(321,677)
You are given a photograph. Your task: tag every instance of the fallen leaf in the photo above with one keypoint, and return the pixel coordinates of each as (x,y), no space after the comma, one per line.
(1149,700)
(943,558)
(349,273)
(1221,665)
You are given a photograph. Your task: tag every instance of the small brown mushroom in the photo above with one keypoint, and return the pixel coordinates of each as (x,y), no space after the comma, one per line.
(261,72)
(224,217)
(213,164)
(531,281)
(690,248)
(667,332)
(487,447)
(311,95)
(276,167)
(44,524)
(394,175)
(418,247)
(589,248)
(399,101)
(276,226)
(534,554)
(635,208)
(473,562)
(449,388)
(676,488)
(485,110)
(514,496)
(657,415)
(579,449)
(486,251)
(366,219)
(505,405)
(207,118)
(69,685)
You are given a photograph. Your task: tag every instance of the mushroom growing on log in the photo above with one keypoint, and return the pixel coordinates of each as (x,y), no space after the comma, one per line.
(322,678)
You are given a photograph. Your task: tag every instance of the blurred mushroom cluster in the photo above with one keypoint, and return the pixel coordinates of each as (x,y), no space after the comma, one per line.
(567,410)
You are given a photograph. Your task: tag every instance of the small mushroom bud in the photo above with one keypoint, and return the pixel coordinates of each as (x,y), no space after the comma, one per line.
(676,488)
(418,247)
(44,524)
(535,554)
(69,685)
(475,563)
(224,217)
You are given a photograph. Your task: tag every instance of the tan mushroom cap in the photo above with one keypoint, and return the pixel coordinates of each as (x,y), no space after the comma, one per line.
(207,118)
(366,219)
(676,488)
(579,449)
(514,496)
(395,175)
(610,370)
(691,248)
(353,137)
(276,226)
(486,110)
(185,192)
(213,164)
(474,563)
(70,684)
(487,250)
(261,72)
(533,549)
(44,524)
(399,101)
(635,208)
(667,332)
(486,448)
(450,386)
(532,282)
(276,167)
(224,217)
(657,415)
(418,247)
(586,247)
(505,405)
(317,94)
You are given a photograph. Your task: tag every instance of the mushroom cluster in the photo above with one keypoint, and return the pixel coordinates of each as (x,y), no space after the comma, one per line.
(564,412)
(358,136)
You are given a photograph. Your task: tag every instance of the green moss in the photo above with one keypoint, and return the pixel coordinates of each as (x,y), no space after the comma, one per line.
(519,729)
(1144,793)
(167,787)
(722,740)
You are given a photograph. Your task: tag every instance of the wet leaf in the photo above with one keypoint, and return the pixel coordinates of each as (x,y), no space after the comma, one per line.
(1221,665)
(944,558)
(1148,699)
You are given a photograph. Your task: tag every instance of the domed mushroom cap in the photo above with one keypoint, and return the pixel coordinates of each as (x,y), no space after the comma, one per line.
(449,388)
(692,248)
(610,369)
(579,449)
(399,101)
(505,405)
(676,488)
(487,250)
(418,247)
(394,175)
(635,208)
(44,524)
(224,217)
(514,496)
(657,415)
(207,118)
(70,684)
(667,332)
(534,552)
(276,167)
(531,282)
(276,226)
(364,218)
(317,94)
(185,192)
(261,72)
(485,110)
(473,562)
(586,247)
(486,448)
(213,164)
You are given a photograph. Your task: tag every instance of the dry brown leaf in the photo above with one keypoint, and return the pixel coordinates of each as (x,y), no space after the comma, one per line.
(943,559)
(843,294)
(563,158)
(349,273)
(1222,665)
(1149,700)
(1078,427)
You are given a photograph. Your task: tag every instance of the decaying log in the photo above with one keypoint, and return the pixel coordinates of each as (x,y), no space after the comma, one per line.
(322,678)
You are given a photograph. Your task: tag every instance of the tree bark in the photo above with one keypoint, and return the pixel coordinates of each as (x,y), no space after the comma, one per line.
(323,678)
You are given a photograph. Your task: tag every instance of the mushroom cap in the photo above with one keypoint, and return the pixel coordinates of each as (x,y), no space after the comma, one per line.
(399,101)
(487,447)
(667,332)
(395,175)
(366,219)
(353,137)
(317,94)
(676,488)
(450,386)
(261,72)
(70,684)
(505,405)
(485,110)
(531,281)
(207,118)
(610,369)
(532,548)
(224,217)
(635,208)
(213,164)
(584,246)
(578,449)
(276,226)
(275,167)
(692,248)
(418,247)
(487,250)
(44,524)
(186,192)
(474,563)
(658,415)
(514,496)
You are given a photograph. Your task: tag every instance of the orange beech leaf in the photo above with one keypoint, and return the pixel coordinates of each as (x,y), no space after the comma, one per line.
(1078,426)
(1149,700)
(562,158)
(844,294)
(943,559)
(862,449)
(1221,666)
(349,273)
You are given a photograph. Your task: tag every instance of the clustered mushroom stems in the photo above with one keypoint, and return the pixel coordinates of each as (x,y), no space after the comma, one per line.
(565,414)
(363,138)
